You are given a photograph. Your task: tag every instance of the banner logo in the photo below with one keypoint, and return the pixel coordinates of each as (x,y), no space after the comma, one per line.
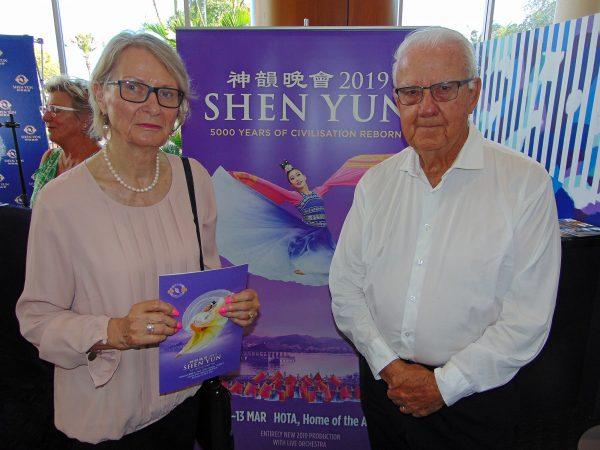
(6,108)
(21,79)
(30,134)
(11,157)
(2,60)
(177,290)
(3,184)
(22,85)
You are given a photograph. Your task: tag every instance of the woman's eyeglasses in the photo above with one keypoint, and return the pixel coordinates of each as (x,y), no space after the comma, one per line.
(53,110)
(136,92)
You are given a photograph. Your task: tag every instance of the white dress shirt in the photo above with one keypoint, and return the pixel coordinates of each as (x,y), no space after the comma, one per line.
(462,276)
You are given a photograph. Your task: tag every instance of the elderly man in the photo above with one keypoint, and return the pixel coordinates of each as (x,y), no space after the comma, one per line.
(446,271)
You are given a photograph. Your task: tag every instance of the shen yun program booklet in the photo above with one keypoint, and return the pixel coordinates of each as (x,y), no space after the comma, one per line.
(208,344)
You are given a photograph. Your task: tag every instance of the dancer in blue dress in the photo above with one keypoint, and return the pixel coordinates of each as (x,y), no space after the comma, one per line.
(254,228)
(310,253)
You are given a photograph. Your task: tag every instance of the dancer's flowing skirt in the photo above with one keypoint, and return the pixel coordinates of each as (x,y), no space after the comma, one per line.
(276,244)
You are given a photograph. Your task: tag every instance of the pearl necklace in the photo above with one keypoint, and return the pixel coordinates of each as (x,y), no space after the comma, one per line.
(127,186)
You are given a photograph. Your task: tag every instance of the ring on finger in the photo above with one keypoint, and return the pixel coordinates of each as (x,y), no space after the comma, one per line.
(251,315)
(150,328)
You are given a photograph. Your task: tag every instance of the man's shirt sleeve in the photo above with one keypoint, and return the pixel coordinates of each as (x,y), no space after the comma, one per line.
(346,278)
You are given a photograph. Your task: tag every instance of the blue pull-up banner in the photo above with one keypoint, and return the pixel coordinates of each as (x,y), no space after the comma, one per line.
(20,96)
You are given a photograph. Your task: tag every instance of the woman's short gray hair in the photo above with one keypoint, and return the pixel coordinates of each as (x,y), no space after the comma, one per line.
(432,37)
(76,88)
(160,49)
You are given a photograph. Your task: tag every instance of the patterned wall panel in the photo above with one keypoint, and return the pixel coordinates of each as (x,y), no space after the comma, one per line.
(540,97)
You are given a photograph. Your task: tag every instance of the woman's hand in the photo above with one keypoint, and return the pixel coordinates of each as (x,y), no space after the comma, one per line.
(148,323)
(242,308)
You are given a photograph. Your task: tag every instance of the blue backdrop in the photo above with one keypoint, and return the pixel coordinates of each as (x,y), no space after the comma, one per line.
(19,95)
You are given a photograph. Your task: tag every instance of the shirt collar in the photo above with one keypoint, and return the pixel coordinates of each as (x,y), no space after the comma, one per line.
(470,156)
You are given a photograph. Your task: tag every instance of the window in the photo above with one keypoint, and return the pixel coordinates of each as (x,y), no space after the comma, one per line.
(19,20)
(514,16)
(465,16)
(88,26)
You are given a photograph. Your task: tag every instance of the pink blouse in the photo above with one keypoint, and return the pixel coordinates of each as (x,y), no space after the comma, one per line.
(89,258)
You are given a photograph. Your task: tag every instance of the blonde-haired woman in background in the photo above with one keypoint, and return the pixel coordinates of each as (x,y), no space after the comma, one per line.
(68,117)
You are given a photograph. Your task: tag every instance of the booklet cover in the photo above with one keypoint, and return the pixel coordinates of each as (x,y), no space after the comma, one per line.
(208,344)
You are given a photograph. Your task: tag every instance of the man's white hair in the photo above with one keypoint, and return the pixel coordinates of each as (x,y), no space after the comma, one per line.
(432,37)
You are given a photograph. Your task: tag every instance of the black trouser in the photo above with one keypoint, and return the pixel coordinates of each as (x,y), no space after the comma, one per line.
(177,430)
(480,421)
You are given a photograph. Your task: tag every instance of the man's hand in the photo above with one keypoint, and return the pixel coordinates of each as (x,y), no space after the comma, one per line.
(393,373)
(413,388)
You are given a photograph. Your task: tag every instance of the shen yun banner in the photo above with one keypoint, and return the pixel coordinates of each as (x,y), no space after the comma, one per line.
(287,121)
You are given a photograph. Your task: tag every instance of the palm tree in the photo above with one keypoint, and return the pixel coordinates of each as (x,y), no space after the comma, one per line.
(47,67)
(86,44)
(203,13)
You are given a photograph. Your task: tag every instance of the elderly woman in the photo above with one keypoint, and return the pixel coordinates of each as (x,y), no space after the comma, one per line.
(100,235)
(68,116)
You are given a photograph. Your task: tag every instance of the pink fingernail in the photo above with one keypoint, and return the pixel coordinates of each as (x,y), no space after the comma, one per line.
(178,327)
(228,299)
(223,311)
(175,312)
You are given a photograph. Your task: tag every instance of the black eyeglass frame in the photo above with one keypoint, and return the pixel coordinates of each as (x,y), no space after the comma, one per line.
(433,86)
(151,89)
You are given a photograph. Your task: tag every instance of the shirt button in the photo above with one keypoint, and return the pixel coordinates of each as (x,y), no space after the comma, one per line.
(407,334)
(420,262)
(412,298)
(427,227)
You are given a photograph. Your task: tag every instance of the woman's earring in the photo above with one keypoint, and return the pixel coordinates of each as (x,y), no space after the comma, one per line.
(105,127)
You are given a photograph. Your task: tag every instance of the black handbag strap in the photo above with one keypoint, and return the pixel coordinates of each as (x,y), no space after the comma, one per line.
(220,434)
(189,179)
